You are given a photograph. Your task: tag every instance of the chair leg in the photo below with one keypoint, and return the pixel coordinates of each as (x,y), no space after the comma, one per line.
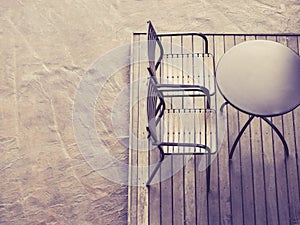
(208,162)
(162,156)
(222,106)
(239,136)
(286,149)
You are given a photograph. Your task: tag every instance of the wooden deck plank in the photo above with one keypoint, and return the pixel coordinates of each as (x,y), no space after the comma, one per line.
(154,191)
(133,194)
(166,186)
(194,73)
(272,211)
(166,195)
(258,172)
(178,202)
(223,155)
(202,200)
(189,182)
(297,125)
(281,178)
(257,165)
(235,164)
(280,168)
(270,176)
(154,195)
(154,210)
(213,195)
(201,197)
(142,153)
(247,174)
(190,206)
(297,142)
(178,161)
(292,176)
(282,165)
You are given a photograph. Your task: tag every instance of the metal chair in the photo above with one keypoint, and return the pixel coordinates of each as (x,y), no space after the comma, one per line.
(202,65)
(196,128)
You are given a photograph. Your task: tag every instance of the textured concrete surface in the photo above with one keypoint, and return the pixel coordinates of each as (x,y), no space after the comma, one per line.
(45,48)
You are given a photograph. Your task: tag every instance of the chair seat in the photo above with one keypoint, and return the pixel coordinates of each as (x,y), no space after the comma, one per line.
(193,68)
(189,128)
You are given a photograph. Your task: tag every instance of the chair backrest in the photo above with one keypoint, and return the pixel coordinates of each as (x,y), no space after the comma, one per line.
(153,40)
(155,108)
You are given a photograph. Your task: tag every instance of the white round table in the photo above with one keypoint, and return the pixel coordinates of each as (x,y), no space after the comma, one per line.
(260,78)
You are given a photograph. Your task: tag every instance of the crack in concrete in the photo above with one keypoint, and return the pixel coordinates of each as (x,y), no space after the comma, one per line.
(55,125)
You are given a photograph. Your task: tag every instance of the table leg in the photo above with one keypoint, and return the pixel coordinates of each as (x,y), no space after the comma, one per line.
(279,135)
(268,122)
(239,136)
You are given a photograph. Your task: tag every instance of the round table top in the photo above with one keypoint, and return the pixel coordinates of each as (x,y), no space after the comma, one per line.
(260,78)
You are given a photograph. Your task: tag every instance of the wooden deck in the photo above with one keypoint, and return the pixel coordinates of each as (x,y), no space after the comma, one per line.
(259,186)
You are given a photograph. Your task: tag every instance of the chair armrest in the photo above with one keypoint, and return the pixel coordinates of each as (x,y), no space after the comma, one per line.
(182,87)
